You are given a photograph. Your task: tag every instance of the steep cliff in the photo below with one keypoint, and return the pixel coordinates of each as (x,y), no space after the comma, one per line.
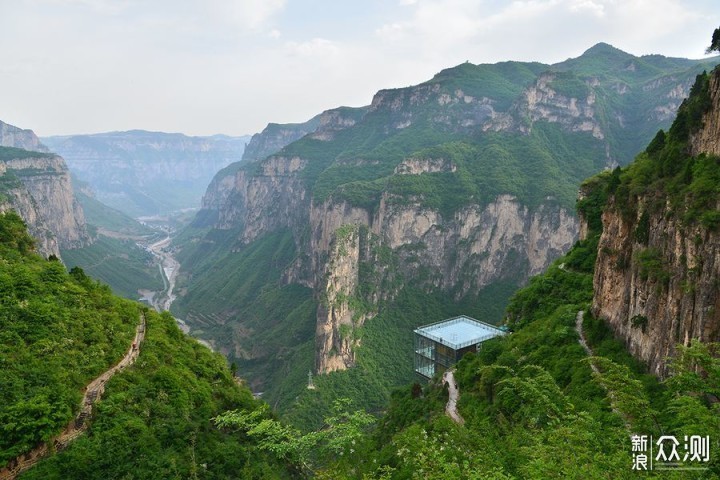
(38,187)
(147,173)
(12,136)
(659,253)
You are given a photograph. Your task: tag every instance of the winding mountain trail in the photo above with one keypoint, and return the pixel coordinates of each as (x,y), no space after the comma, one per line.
(453,395)
(583,342)
(77,426)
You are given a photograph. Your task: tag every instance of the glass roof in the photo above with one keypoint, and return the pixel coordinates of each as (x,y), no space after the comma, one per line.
(459,332)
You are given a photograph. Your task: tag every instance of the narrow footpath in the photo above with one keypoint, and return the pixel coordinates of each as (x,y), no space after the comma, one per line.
(453,394)
(583,343)
(77,426)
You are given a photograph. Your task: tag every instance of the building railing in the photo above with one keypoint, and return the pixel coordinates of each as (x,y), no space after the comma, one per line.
(496,332)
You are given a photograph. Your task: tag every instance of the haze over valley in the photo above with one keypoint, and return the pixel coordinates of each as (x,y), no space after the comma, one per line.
(497,268)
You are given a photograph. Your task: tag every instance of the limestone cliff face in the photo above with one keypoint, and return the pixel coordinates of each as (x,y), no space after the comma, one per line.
(42,194)
(707,140)
(659,294)
(275,197)
(574,113)
(338,322)
(12,136)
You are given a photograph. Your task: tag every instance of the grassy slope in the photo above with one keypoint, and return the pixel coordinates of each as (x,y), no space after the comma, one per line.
(120,263)
(108,218)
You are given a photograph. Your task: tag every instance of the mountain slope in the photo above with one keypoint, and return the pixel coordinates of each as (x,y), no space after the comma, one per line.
(59,330)
(451,189)
(534,404)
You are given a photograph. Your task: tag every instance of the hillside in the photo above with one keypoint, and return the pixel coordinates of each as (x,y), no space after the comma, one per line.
(59,330)
(436,199)
(532,405)
(562,396)
(147,173)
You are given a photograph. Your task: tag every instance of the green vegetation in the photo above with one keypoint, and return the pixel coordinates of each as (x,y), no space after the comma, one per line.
(57,331)
(108,218)
(12,153)
(154,419)
(60,330)
(122,264)
(238,300)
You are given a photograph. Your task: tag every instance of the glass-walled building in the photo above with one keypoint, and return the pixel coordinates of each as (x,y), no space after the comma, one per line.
(440,345)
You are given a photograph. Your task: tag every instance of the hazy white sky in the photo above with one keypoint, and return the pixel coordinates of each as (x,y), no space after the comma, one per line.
(231,66)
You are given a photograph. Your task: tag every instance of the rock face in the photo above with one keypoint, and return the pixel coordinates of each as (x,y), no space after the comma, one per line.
(275,136)
(477,246)
(707,140)
(661,289)
(147,173)
(38,187)
(660,294)
(12,136)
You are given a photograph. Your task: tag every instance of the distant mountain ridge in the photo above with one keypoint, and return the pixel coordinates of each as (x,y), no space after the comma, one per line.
(147,173)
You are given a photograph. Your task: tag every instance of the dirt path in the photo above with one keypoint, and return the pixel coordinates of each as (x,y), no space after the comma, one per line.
(583,342)
(79,424)
(453,393)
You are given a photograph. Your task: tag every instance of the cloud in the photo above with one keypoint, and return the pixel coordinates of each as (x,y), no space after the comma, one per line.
(251,14)
(231,66)
(317,47)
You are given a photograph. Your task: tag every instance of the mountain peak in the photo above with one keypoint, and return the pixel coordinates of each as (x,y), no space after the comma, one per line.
(605,49)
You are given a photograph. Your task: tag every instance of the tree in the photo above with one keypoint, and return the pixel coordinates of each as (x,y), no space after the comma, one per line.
(715,43)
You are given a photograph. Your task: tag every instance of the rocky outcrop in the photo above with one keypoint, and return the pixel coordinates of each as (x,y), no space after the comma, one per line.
(12,136)
(660,293)
(332,121)
(276,136)
(707,140)
(544,101)
(38,187)
(338,323)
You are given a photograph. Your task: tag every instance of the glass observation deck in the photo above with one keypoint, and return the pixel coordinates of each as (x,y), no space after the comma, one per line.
(440,345)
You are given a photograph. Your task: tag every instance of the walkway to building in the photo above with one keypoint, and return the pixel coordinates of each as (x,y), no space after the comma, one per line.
(79,424)
(453,394)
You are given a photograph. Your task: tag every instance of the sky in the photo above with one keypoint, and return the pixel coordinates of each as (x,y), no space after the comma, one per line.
(202,67)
